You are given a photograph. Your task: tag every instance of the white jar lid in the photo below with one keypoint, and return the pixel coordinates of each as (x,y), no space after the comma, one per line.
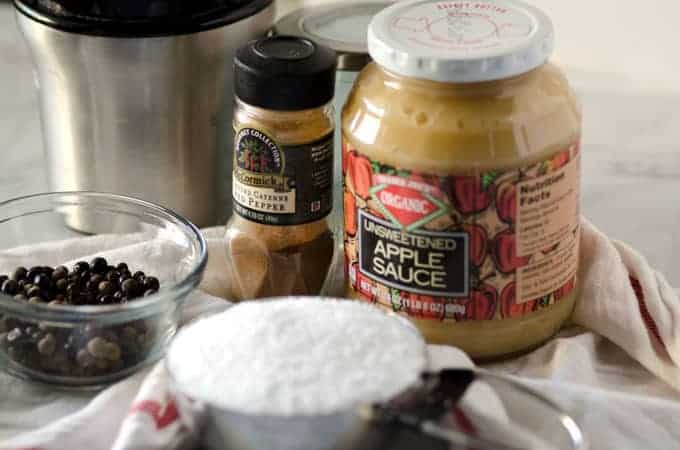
(460,41)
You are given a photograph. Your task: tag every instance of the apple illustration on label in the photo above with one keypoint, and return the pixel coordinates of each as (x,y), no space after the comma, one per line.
(360,173)
(560,160)
(480,305)
(470,195)
(506,202)
(509,307)
(477,242)
(505,252)
(350,213)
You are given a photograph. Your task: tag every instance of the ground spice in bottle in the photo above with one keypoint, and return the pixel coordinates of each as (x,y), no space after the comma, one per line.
(278,241)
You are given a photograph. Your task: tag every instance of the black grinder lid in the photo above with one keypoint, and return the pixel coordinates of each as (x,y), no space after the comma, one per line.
(138,18)
(284,73)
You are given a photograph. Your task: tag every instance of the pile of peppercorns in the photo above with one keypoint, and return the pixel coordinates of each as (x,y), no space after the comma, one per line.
(94,283)
(74,350)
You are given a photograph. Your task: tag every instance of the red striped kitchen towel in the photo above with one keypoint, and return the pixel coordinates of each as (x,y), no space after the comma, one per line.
(625,300)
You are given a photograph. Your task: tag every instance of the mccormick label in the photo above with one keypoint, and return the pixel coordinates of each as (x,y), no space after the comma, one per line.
(492,245)
(281,185)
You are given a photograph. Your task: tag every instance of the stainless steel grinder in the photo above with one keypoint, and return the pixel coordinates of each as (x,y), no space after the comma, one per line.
(135,95)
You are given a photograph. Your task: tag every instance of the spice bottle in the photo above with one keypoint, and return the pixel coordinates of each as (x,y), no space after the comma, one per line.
(278,240)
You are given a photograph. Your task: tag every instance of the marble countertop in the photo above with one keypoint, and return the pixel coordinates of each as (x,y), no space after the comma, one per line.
(631,165)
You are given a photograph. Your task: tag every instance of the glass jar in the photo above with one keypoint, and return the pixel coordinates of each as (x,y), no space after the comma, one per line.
(461,169)
(278,241)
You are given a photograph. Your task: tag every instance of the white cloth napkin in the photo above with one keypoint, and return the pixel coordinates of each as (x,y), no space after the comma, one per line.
(609,378)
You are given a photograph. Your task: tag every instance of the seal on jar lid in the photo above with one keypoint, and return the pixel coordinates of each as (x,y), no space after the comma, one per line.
(460,41)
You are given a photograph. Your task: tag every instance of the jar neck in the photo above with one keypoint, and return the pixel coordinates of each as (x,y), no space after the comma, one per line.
(478,88)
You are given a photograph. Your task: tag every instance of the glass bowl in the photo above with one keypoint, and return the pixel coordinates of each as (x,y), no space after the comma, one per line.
(93,345)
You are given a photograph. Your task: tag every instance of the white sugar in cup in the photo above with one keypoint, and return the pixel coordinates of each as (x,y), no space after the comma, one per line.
(291,373)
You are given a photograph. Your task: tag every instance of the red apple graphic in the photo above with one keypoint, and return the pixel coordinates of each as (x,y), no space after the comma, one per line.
(477,241)
(509,308)
(504,252)
(470,196)
(347,153)
(560,160)
(506,202)
(350,212)
(361,174)
(480,305)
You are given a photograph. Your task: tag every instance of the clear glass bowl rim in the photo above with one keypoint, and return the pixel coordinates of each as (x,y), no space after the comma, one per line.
(112,313)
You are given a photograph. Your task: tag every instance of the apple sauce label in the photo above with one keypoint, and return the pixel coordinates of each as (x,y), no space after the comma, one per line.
(490,245)
(426,263)
(281,185)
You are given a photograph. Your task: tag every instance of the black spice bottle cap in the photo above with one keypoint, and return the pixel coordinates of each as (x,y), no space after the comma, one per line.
(284,73)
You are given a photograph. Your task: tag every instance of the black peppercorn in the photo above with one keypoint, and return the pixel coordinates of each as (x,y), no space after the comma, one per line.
(72,290)
(10,287)
(19,273)
(130,287)
(60,272)
(122,267)
(32,273)
(106,288)
(151,283)
(80,267)
(3,278)
(35,291)
(93,284)
(61,284)
(14,335)
(42,281)
(97,278)
(113,276)
(98,265)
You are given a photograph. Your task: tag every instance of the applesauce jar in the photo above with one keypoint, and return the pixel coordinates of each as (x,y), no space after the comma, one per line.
(461,175)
